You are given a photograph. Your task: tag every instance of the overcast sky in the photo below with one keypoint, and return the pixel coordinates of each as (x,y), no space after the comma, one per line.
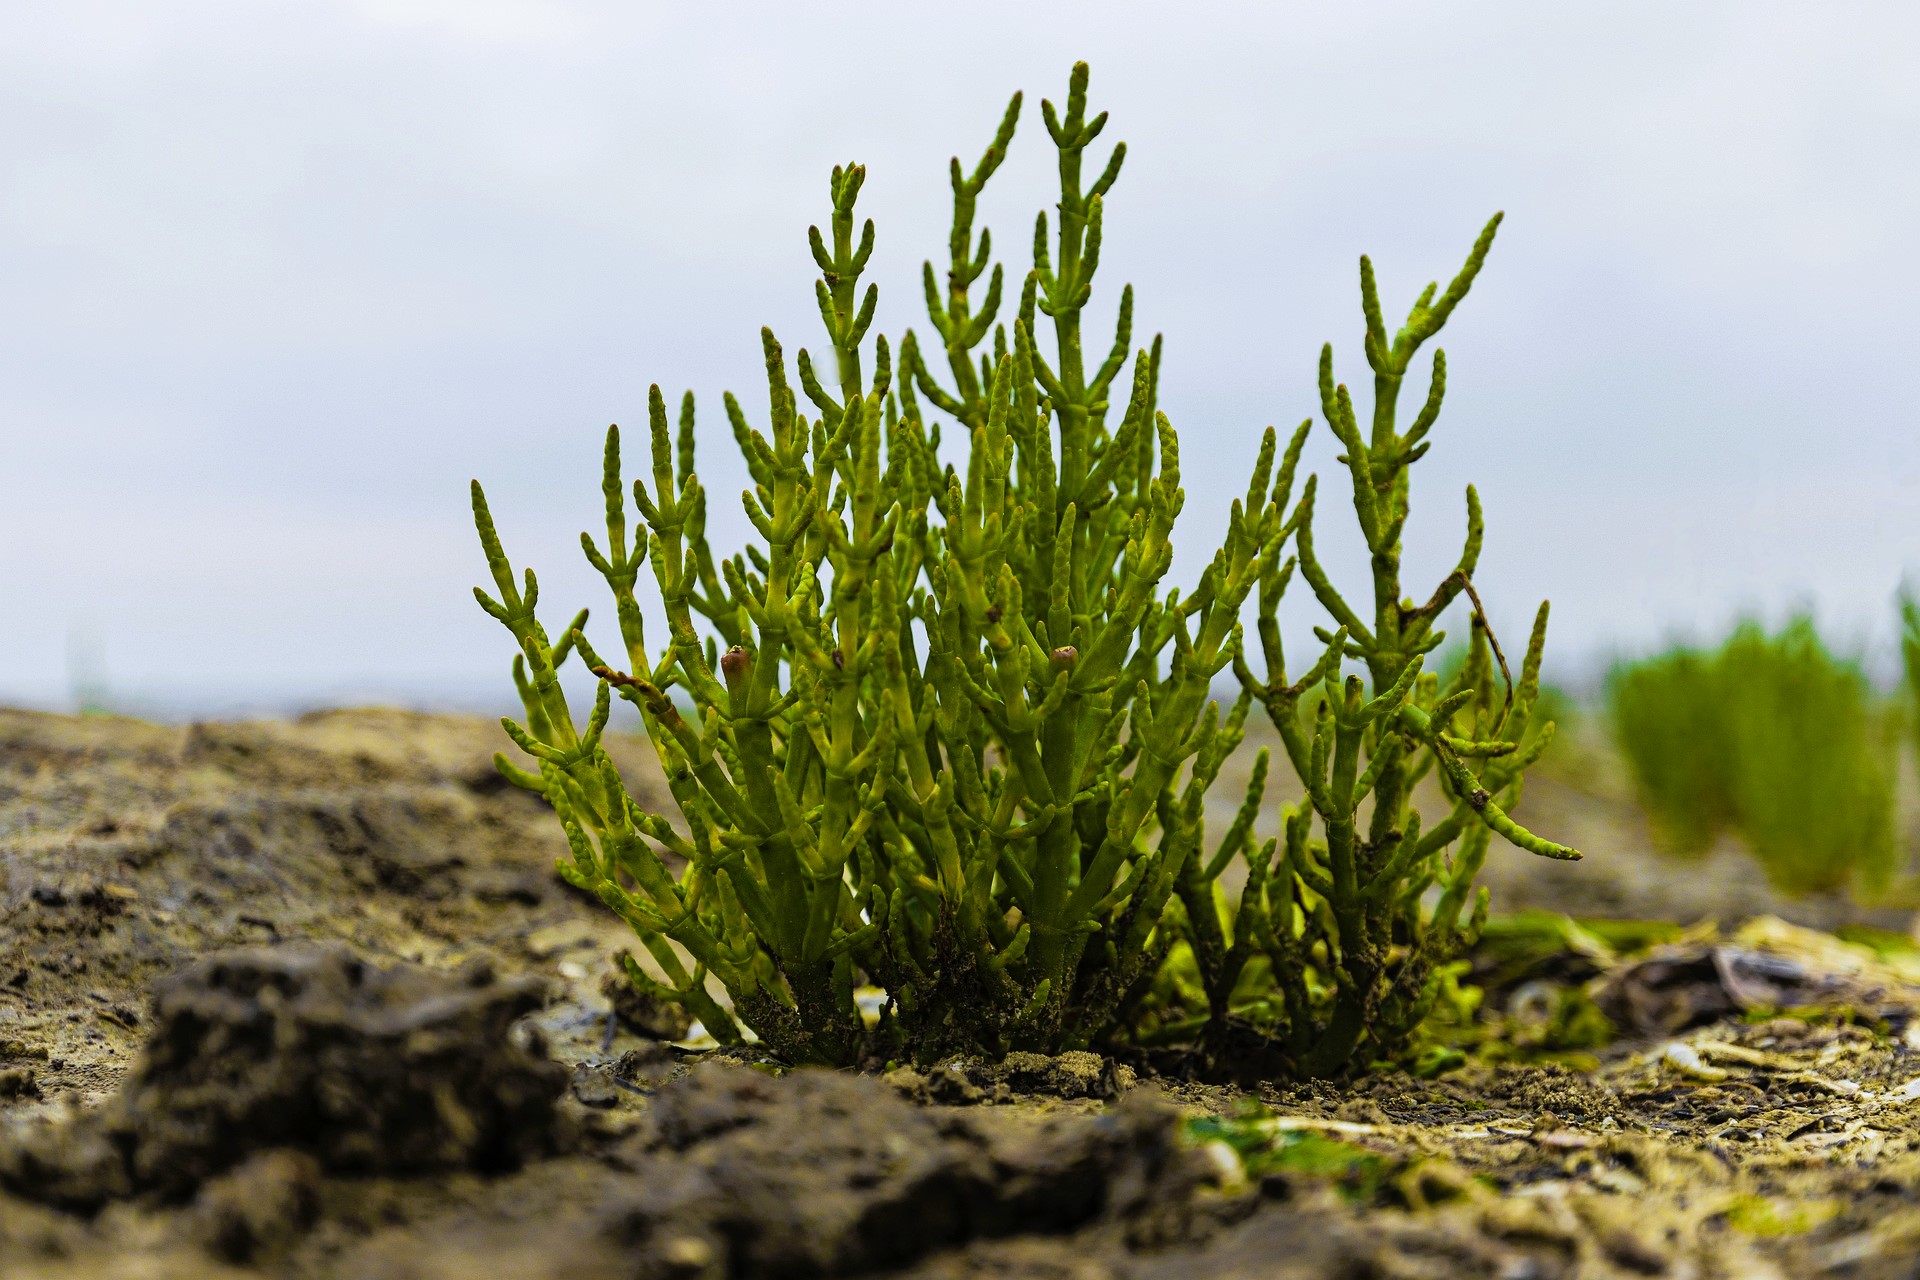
(277,279)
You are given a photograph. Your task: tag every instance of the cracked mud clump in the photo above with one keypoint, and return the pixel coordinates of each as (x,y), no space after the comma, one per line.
(729,1172)
(307,1048)
(824,1174)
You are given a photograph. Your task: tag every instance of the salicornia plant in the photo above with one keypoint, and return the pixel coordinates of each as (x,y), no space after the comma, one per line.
(1345,922)
(941,728)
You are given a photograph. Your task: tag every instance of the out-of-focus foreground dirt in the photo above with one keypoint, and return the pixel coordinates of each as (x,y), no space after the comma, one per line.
(189,1087)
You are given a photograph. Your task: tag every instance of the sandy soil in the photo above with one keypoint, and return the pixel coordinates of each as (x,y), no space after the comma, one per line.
(189,1086)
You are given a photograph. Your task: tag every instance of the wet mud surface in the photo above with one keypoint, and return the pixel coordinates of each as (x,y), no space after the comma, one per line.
(305,999)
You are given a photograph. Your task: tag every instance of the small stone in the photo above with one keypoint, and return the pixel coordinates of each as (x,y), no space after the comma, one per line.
(593,1087)
(261,1208)
(686,1251)
(1626,1250)
(907,1081)
(1226,1163)
(1073,1074)
(949,1085)
(1079,1074)
(1362,1111)
(17,1083)
(945,1084)
(552,940)
(1686,1059)
(646,1068)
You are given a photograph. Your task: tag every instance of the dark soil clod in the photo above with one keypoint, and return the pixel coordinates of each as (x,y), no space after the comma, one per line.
(310,1048)
(819,1173)
(964,1081)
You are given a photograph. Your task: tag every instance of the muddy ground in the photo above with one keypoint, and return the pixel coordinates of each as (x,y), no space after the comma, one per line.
(305,999)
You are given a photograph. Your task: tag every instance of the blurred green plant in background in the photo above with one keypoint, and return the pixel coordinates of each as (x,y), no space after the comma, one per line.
(1910,660)
(1772,738)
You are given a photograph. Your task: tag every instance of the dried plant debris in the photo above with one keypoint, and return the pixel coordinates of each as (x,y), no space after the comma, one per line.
(1766,967)
(365,1070)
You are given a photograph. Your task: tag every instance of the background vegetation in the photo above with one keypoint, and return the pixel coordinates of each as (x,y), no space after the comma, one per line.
(1771,737)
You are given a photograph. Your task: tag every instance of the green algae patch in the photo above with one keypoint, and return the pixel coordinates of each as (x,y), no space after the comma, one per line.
(1271,1146)
(1264,1148)
(1761,1216)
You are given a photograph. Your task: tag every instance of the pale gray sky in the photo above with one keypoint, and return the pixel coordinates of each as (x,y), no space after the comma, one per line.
(275,280)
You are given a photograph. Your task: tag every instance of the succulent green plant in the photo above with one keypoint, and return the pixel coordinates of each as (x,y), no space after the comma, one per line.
(942,728)
(1351,944)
